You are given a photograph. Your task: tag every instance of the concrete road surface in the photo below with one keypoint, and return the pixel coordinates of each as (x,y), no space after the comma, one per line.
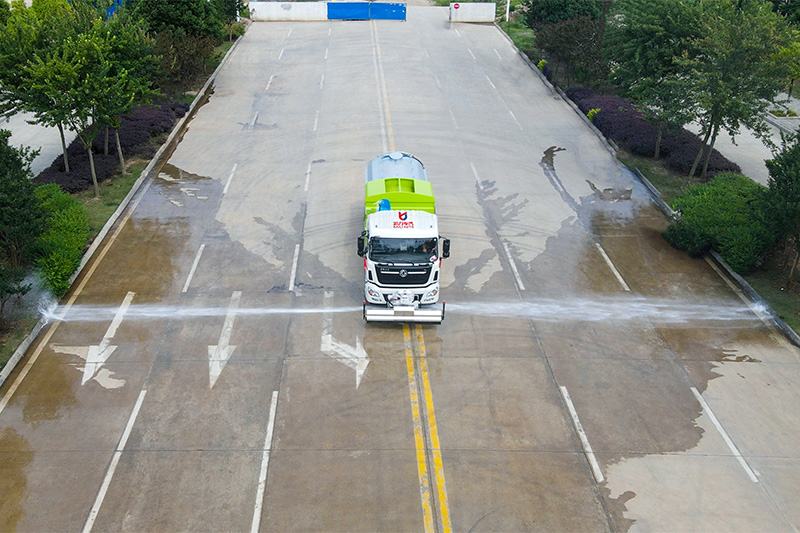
(212,370)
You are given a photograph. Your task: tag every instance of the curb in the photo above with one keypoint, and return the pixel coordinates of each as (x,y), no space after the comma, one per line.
(751,293)
(768,118)
(145,175)
(655,194)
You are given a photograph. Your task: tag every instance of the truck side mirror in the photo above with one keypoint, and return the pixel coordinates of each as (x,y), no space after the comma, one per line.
(361,245)
(445,247)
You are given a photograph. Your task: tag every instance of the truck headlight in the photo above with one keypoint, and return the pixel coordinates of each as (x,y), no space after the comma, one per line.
(374,296)
(430,296)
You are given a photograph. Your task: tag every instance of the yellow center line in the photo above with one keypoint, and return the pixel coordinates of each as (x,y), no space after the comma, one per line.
(419,437)
(422,465)
(389,132)
(436,451)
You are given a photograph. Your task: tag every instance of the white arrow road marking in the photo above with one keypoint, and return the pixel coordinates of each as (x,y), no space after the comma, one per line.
(97,355)
(355,358)
(219,354)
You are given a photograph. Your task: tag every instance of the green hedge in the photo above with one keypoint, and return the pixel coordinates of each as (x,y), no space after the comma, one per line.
(61,246)
(726,214)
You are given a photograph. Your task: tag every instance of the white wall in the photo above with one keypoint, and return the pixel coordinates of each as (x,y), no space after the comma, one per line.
(471,12)
(288,10)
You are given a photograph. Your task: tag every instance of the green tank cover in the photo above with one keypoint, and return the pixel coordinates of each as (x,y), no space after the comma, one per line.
(404,194)
(399,178)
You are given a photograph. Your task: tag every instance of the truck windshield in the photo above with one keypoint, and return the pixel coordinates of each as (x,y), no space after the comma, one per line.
(403,250)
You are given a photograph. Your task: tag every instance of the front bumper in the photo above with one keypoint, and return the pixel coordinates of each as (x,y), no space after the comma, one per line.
(394,296)
(404,313)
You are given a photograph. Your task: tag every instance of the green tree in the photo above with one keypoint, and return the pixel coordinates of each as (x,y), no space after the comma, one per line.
(542,12)
(577,43)
(93,74)
(735,74)
(642,42)
(133,58)
(37,32)
(186,32)
(229,9)
(79,77)
(783,198)
(197,18)
(183,57)
(790,56)
(20,37)
(5,11)
(21,217)
(788,8)
(572,32)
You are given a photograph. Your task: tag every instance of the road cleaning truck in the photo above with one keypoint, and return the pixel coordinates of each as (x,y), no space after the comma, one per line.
(400,244)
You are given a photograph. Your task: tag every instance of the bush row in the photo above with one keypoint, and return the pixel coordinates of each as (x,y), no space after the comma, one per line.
(59,249)
(137,128)
(726,214)
(621,122)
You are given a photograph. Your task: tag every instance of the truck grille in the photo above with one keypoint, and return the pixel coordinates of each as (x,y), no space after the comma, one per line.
(394,275)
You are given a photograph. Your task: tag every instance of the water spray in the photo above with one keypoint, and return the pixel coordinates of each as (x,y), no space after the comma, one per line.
(569,310)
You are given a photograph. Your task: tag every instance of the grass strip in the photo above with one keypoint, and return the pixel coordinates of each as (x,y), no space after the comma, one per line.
(112,192)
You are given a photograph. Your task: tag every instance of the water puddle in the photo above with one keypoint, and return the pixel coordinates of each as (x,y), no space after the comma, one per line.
(610,194)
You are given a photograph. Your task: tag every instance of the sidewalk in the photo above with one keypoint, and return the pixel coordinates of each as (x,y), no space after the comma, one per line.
(749,152)
(36,137)
(787,124)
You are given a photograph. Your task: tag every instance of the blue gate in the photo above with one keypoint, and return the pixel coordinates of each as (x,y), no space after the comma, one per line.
(381,11)
(366,11)
(348,10)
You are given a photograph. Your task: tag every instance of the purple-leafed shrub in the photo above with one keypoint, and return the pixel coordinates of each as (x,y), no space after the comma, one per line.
(576,94)
(80,176)
(137,129)
(684,151)
(179,108)
(620,121)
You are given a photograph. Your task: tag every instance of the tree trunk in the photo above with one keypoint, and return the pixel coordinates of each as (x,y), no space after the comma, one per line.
(790,281)
(105,147)
(791,86)
(710,151)
(788,248)
(14,258)
(657,153)
(119,152)
(699,155)
(94,174)
(63,147)
(694,165)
